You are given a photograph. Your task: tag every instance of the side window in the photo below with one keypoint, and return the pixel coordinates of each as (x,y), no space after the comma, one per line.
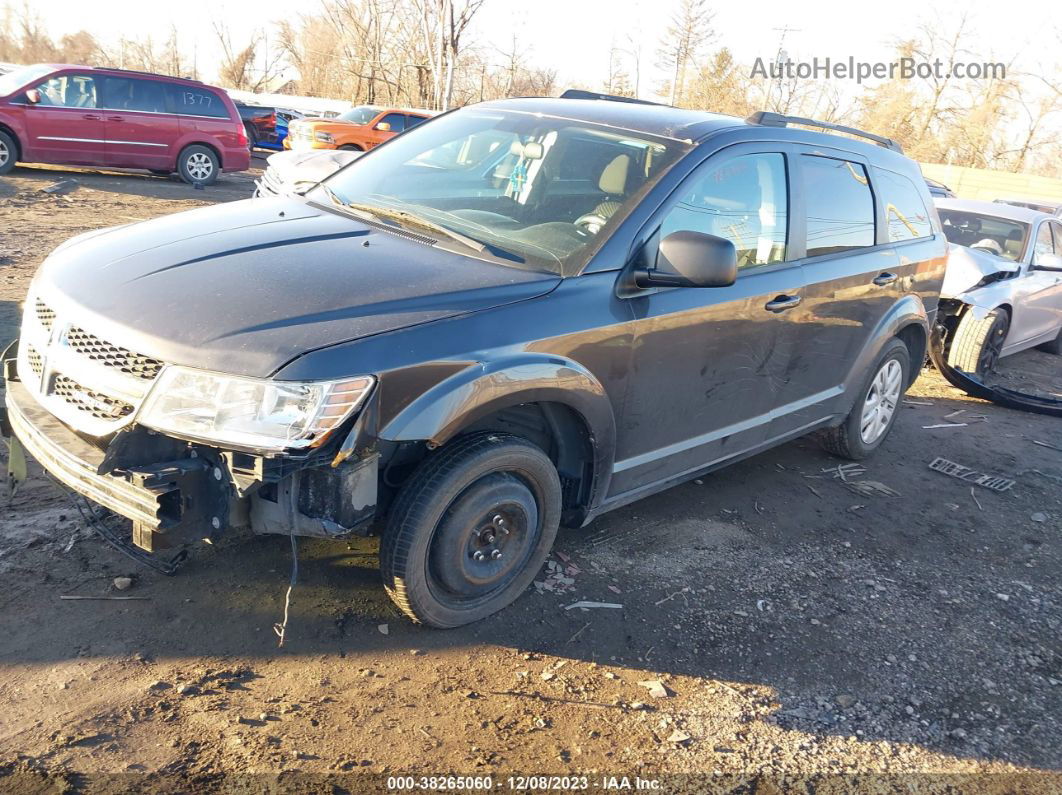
(396,120)
(193,101)
(840,205)
(1044,243)
(744,200)
(905,213)
(69,91)
(413,121)
(1057,227)
(125,93)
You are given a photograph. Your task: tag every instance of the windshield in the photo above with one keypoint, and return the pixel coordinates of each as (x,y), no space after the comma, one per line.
(360,115)
(985,232)
(13,81)
(535,191)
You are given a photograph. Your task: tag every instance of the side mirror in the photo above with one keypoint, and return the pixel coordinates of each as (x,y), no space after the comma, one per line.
(1048,262)
(691,259)
(384,126)
(33,96)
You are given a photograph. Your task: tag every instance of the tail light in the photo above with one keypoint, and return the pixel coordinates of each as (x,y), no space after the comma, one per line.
(241,136)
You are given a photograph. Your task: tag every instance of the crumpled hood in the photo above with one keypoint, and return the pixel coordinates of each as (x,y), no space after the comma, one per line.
(309,166)
(248,286)
(967,267)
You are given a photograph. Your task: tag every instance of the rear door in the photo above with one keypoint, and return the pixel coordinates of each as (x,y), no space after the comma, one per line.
(708,362)
(142,127)
(853,276)
(66,126)
(200,110)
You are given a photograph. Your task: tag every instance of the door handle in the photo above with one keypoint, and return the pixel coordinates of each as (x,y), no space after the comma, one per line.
(116,118)
(782,303)
(92,116)
(883,279)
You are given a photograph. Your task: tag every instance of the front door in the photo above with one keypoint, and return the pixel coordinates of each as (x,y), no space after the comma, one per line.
(707,363)
(66,125)
(1037,293)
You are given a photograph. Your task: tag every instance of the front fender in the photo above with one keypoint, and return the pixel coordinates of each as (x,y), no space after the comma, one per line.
(483,388)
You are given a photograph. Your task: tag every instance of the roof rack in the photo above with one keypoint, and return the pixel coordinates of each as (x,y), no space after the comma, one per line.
(149,74)
(767,119)
(578,93)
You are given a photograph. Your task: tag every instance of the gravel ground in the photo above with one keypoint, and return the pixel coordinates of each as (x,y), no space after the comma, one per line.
(779,625)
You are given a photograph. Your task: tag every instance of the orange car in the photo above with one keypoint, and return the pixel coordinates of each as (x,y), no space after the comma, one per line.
(359,128)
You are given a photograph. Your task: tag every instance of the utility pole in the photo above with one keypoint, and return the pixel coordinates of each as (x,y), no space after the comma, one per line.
(779,58)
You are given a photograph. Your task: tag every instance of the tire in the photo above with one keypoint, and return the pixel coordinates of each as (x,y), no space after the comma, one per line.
(1054,346)
(252,139)
(888,378)
(470,529)
(8,152)
(352,148)
(198,165)
(976,343)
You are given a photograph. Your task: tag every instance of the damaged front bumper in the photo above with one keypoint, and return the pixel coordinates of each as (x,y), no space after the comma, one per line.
(176,492)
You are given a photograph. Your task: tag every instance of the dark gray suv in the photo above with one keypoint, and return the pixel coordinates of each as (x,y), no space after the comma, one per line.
(520,314)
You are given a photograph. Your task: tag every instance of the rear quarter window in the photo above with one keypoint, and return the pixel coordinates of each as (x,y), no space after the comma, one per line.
(840,206)
(195,101)
(906,215)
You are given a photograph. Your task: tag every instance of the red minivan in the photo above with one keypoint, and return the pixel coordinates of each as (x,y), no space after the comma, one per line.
(88,116)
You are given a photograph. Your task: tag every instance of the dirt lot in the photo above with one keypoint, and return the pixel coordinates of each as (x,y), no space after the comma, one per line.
(798,628)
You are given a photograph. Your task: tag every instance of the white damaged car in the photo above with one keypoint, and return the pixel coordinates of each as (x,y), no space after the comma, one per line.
(299,171)
(1002,292)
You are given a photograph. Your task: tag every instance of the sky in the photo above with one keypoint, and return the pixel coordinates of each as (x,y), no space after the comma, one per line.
(575,36)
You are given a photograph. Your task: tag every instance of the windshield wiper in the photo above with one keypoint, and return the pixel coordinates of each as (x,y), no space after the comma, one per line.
(410,219)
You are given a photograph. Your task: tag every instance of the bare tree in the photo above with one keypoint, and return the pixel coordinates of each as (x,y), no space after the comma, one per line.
(241,67)
(689,30)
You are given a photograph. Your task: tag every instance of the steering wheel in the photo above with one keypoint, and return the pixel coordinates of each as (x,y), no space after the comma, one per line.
(590,223)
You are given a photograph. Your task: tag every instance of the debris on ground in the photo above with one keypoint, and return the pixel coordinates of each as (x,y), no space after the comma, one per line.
(944,425)
(587,605)
(679,737)
(560,577)
(1039,517)
(655,687)
(123,583)
(871,488)
(384,629)
(62,187)
(993,482)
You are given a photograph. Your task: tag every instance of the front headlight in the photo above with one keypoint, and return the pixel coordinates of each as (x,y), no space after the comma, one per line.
(325,138)
(250,412)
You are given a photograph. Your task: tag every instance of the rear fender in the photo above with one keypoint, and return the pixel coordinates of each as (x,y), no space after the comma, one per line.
(905,312)
(484,388)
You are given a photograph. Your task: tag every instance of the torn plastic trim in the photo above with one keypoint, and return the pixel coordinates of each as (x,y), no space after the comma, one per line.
(975,387)
(969,270)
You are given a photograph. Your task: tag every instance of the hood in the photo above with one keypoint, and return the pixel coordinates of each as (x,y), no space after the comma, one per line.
(248,286)
(967,267)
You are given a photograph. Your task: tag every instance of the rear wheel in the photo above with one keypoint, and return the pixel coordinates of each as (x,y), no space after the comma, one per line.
(874,413)
(198,165)
(470,529)
(977,342)
(252,139)
(352,148)
(8,152)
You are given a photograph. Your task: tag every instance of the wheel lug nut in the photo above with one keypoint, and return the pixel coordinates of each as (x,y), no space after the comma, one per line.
(499,520)
(495,554)
(479,556)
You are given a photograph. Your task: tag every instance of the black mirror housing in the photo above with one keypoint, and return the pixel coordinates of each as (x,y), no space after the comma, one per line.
(691,259)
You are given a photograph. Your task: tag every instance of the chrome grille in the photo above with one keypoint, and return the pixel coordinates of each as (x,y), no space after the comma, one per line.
(36,363)
(100,406)
(87,382)
(45,316)
(111,355)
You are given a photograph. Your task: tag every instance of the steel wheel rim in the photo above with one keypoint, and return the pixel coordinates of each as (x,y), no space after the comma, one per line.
(4,153)
(199,166)
(992,348)
(881,401)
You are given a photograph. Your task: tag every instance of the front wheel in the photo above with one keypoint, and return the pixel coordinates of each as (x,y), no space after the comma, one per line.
(198,165)
(875,409)
(470,529)
(351,148)
(8,152)
(978,341)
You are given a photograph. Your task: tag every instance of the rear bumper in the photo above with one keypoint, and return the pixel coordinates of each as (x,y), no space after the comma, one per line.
(236,159)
